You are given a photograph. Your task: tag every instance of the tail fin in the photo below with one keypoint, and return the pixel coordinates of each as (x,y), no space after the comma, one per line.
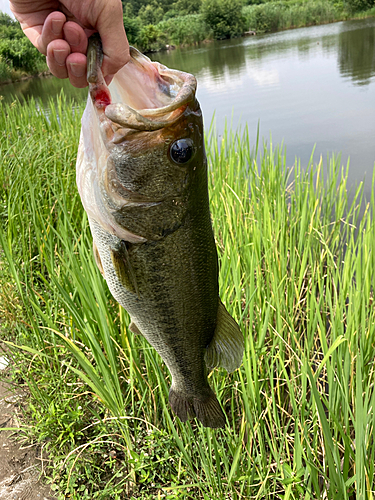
(207,410)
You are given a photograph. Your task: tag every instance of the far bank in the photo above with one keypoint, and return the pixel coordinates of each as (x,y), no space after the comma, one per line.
(153,30)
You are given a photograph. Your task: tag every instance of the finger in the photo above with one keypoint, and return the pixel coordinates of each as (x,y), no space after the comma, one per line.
(52,30)
(57,53)
(76,37)
(32,18)
(114,59)
(112,32)
(77,69)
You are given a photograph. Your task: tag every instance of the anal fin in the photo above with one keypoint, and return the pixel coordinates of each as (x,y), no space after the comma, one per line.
(227,345)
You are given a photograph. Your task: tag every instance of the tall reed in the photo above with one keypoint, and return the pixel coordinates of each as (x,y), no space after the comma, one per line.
(297,269)
(274,16)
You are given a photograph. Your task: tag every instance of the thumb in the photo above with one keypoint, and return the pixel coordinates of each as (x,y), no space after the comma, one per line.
(112,33)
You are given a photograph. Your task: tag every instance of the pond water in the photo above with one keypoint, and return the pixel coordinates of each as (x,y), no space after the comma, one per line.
(307,87)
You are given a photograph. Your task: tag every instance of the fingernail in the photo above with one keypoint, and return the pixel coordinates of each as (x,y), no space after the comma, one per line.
(60,56)
(77,70)
(57,25)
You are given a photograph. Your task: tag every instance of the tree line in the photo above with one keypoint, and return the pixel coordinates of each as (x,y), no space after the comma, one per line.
(152,25)
(17,54)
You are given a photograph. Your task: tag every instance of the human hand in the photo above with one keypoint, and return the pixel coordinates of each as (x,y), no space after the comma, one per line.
(60,30)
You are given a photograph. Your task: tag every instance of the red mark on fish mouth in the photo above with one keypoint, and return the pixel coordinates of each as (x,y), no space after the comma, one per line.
(101,98)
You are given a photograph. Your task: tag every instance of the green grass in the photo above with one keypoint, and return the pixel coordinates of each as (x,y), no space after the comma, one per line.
(297,266)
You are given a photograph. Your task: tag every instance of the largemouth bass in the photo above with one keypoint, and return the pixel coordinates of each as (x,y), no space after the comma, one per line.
(142,178)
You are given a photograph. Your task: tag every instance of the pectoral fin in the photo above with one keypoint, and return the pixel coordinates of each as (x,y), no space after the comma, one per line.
(227,346)
(123,268)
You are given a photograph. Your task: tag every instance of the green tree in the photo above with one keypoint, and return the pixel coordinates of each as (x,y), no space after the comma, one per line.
(9,28)
(6,20)
(185,29)
(128,10)
(135,6)
(21,54)
(224,17)
(132,28)
(151,14)
(357,5)
(183,8)
(151,38)
(138,4)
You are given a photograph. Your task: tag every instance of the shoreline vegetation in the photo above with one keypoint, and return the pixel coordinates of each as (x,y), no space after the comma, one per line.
(166,24)
(297,270)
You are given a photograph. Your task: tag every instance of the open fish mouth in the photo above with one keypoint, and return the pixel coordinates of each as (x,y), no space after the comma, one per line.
(144,95)
(151,95)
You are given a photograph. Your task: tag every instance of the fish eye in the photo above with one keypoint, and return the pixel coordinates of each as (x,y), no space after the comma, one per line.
(182,151)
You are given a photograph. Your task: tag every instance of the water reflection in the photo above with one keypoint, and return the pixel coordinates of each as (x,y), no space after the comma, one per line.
(42,89)
(215,57)
(356,54)
(352,41)
(233,60)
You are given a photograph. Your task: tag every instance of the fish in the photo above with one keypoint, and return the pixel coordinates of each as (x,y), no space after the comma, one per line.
(142,178)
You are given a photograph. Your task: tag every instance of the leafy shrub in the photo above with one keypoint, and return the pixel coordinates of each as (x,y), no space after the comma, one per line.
(224,17)
(150,14)
(9,28)
(151,38)
(357,5)
(185,29)
(21,54)
(183,8)
(13,31)
(6,20)
(132,28)
(128,10)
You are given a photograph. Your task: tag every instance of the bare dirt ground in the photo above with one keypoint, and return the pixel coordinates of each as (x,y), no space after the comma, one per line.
(21,464)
